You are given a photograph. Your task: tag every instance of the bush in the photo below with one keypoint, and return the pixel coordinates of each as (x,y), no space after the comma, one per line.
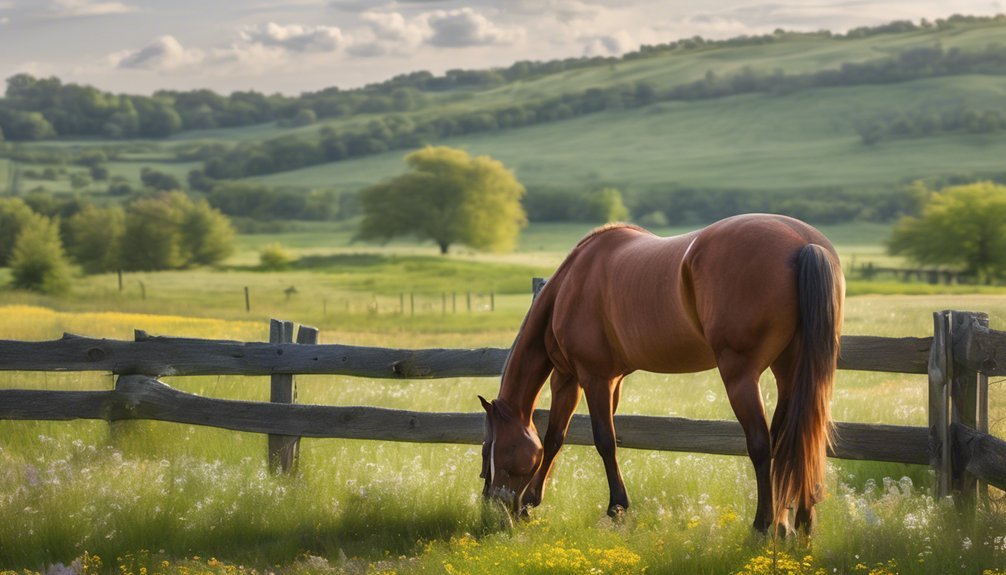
(38,263)
(14,214)
(170,231)
(606,206)
(95,238)
(274,256)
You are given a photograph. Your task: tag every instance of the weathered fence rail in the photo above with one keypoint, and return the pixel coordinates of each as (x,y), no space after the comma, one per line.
(161,356)
(142,397)
(958,358)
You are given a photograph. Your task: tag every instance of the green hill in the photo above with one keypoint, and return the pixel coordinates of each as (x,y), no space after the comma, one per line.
(821,126)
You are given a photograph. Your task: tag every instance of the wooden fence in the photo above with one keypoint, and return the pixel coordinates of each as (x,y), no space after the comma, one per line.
(958,358)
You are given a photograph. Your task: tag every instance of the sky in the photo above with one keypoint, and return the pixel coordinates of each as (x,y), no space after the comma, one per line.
(293,46)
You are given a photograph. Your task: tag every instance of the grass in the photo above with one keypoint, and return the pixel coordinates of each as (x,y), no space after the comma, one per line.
(183,499)
(754,142)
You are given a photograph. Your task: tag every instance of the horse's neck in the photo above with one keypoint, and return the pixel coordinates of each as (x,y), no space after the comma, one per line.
(528,364)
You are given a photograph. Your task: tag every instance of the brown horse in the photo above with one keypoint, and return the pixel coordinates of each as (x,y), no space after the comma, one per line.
(743,295)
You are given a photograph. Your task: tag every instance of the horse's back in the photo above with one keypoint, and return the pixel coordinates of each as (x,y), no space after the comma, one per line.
(630,300)
(743,273)
(619,305)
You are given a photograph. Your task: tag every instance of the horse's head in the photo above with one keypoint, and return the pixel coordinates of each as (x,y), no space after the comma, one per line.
(511,454)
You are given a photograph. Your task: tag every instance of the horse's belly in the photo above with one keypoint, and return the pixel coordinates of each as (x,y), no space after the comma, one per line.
(671,357)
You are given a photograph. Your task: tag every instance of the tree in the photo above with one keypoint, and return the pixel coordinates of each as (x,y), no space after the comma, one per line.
(448,197)
(14,215)
(206,235)
(150,240)
(961,225)
(606,206)
(159,180)
(95,238)
(171,231)
(38,263)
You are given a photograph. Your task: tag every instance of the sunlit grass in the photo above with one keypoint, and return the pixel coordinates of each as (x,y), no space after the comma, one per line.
(184,500)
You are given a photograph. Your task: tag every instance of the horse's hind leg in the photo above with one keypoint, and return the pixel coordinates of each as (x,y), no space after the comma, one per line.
(600,394)
(740,377)
(565,397)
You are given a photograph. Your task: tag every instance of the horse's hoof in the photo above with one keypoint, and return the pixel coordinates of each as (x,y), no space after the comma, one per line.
(531,500)
(616,512)
(525,513)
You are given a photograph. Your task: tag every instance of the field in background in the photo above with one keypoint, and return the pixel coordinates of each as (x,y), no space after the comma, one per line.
(755,142)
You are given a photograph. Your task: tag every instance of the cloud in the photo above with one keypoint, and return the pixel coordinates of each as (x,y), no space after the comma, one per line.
(164,53)
(387,33)
(295,37)
(614,44)
(82,8)
(466,27)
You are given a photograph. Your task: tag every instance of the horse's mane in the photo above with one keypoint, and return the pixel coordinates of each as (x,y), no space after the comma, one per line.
(542,305)
(607,228)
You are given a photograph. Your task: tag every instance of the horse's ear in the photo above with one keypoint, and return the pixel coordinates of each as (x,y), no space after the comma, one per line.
(486,405)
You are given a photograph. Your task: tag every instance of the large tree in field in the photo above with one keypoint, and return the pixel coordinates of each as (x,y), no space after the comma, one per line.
(959,226)
(449,197)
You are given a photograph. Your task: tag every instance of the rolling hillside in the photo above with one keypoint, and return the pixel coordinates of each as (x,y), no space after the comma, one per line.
(794,133)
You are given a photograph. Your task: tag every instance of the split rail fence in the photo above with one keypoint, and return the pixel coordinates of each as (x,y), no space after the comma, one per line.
(958,358)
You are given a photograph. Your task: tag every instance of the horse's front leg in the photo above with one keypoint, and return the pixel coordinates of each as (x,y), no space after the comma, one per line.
(600,394)
(565,397)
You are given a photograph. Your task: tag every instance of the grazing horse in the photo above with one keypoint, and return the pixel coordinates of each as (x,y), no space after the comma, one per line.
(743,295)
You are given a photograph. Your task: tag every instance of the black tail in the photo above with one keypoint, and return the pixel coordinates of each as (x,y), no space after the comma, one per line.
(804,434)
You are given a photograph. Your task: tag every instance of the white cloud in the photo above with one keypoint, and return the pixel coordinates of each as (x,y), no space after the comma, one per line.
(79,8)
(387,33)
(466,27)
(165,53)
(393,26)
(614,44)
(295,37)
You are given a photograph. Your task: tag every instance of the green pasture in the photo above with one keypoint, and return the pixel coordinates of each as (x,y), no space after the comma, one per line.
(177,499)
(759,142)
(182,499)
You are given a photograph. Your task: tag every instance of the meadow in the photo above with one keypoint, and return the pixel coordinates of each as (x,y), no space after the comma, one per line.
(148,497)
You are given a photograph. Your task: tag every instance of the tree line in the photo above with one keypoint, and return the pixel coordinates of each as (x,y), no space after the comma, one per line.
(395,132)
(924,123)
(169,230)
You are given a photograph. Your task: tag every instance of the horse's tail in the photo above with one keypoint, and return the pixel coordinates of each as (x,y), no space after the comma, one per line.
(804,432)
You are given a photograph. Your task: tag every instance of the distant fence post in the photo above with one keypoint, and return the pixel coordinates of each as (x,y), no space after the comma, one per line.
(536,286)
(282,448)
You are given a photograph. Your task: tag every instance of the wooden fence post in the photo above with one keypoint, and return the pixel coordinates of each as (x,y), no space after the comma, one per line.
(941,366)
(282,448)
(536,286)
(965,400)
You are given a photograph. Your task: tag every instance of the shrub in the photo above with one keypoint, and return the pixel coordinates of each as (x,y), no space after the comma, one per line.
(274,256)
(95,238)
(37,262)
(14,214)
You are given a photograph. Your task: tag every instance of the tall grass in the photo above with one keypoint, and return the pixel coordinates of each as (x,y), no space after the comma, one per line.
(156,495)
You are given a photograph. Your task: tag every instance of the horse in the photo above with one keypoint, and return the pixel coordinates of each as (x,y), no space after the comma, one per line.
(745,294)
